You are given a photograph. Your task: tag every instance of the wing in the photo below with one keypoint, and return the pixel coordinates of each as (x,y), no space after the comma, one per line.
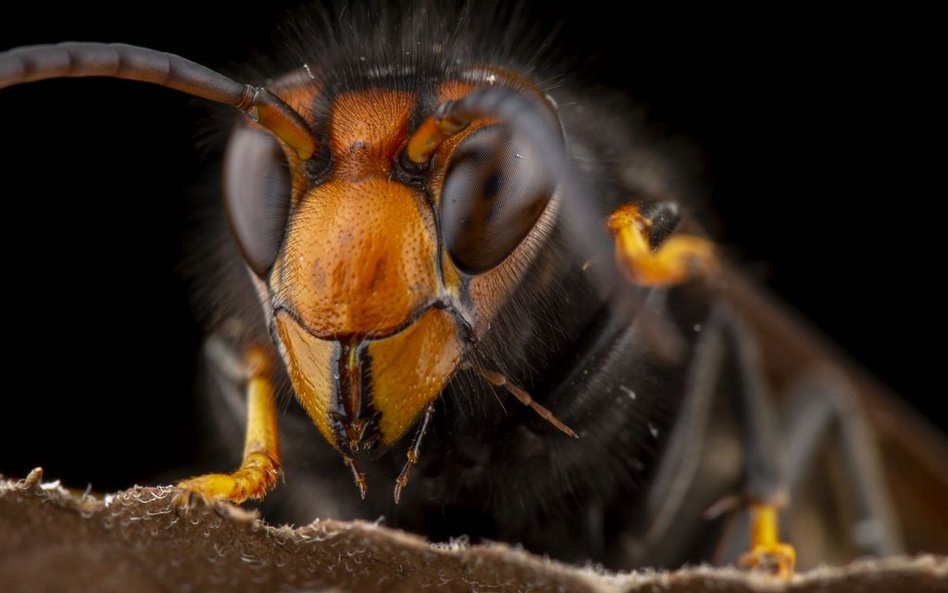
(912,453)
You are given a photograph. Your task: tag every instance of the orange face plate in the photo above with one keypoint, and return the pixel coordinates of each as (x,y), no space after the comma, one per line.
(365,302)
(354,288)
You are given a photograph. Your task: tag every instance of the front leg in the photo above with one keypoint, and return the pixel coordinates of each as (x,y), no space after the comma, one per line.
(258,472)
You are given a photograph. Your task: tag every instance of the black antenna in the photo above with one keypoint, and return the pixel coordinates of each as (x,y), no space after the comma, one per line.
(129,62)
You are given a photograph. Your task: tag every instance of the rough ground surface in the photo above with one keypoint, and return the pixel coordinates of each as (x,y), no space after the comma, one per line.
(136,542)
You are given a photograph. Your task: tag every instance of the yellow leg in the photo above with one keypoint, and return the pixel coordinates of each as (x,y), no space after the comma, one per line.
(258,473)
(678,258)
(766,550)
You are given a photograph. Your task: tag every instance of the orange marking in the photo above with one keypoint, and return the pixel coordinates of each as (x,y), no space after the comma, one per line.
(430,135)
(677,259)
(301,98)
(366,130)
(452,90)
(360,258)
(410,369)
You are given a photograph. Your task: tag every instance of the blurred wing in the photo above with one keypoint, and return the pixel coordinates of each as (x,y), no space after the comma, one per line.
(913,452)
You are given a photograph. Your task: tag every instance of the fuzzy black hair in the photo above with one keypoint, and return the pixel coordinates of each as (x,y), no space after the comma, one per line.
(345,43)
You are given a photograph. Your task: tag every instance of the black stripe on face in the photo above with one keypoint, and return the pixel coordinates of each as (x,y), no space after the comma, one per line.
(352,416)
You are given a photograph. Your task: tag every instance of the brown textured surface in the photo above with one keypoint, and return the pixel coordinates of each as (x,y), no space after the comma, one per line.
(136,542)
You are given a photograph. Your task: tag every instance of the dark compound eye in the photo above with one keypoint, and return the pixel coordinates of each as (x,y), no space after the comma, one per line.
(493,194)
(257,193)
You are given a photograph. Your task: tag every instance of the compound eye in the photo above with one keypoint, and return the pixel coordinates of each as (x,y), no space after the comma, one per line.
(493,194)
(257,192)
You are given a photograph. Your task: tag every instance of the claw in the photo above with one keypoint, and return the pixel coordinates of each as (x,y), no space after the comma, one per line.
(184,500)
(777,559)
(767,552)
(255,478)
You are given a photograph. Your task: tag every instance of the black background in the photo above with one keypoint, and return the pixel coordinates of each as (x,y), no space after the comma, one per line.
(814,128)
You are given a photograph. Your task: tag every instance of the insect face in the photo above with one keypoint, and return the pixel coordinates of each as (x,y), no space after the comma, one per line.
(381,259)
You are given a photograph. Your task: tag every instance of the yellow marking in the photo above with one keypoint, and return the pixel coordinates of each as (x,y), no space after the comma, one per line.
(409,370)
(430,135)
(274,118)
(258,473)
(679,258)
(309,362)
(301,100)
(365,252)
(766,549)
